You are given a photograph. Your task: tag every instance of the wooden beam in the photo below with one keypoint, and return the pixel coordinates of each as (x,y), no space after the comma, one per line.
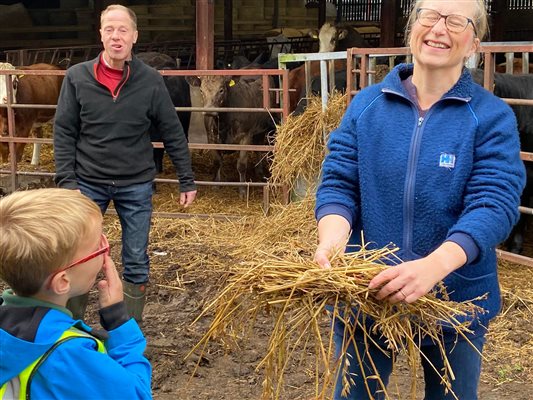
(228,29)
(205,22)
(497,19)
(389,22)
(321,13)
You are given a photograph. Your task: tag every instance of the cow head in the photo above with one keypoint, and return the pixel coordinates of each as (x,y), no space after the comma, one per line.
(328,37)
(339,38)
(214,90)
(3,96)
(3,87)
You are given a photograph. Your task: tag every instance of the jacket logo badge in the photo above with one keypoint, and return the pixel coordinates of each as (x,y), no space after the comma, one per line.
(447,160)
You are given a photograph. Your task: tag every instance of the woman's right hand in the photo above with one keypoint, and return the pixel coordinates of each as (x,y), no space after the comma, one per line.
(333,232)
(322,257)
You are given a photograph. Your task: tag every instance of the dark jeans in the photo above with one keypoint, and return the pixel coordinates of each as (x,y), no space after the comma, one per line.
(133,204)
(464,361)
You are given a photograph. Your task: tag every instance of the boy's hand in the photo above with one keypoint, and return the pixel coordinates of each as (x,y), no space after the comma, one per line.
(110,288)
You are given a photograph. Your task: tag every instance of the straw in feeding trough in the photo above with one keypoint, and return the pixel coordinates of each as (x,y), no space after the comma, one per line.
(294,292)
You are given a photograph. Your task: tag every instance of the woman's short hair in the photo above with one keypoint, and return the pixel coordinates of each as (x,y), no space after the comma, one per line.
(40,232)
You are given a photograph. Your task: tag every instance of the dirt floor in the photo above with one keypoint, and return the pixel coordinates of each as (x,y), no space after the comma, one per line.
(231,373)
(182,249)
(180,290)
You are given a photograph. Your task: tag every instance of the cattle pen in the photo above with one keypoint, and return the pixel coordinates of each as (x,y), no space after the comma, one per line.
(11,139)
(360,72)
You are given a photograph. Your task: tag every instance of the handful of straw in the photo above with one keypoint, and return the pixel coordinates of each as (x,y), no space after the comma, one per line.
(295,294)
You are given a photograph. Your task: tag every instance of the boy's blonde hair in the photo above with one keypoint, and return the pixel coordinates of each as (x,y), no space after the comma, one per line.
(40,232)
(112,7)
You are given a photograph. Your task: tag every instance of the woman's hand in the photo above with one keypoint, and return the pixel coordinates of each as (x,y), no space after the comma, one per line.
(413,279)
(333,232)
(322,256)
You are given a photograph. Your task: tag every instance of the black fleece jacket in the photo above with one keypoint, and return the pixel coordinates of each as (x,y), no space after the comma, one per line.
(102,137)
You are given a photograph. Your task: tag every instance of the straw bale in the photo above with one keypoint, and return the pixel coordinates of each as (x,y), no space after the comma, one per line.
(300,141)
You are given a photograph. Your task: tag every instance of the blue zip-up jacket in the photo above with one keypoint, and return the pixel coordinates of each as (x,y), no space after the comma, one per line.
(75,369)
(416,182)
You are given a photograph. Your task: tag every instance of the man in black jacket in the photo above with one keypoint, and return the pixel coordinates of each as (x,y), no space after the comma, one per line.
(102,146)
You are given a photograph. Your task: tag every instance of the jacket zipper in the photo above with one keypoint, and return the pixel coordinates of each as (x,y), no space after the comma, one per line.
(409,198)
(121,84)
(114,95)
(409,187)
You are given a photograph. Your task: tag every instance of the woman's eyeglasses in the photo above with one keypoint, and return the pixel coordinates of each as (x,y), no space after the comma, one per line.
(104,248)
(454,22)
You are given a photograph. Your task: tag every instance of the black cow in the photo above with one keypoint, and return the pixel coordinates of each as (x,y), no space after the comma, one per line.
(234,127)
(517,87)
(179,93)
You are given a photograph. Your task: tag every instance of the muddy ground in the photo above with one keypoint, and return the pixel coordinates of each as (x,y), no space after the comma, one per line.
(178,294)
(180,289)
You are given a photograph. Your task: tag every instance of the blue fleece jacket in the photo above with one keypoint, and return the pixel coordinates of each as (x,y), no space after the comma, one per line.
(417,182)
(75,369)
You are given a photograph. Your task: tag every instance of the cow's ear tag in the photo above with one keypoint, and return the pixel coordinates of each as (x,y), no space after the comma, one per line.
(231,83)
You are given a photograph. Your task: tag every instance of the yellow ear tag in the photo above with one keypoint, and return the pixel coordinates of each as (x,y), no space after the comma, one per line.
(231,83)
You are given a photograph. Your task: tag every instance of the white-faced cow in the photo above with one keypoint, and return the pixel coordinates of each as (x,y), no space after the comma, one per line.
(332,38)
(3,97)
(31,89)
(517,87)
(179,93)
(3,81)
(244,128)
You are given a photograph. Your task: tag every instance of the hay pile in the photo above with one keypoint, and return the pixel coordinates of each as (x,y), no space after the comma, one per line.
(294,292)
(300,142)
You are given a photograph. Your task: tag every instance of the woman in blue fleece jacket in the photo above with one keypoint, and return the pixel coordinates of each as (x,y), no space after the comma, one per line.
(429,161)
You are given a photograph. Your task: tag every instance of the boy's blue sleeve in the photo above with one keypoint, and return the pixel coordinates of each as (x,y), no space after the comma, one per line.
(75,370)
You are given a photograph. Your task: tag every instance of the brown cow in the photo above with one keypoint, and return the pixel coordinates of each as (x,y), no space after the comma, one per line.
(32,89)
(517,67)
(234,127)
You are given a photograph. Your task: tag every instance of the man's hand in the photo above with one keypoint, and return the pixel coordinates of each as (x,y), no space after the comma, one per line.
(186,198)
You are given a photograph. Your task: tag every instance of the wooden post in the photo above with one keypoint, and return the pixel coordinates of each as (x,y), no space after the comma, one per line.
(228,29)
(321,13)
(205,24)
(497,21)
(275,15)
(389,21)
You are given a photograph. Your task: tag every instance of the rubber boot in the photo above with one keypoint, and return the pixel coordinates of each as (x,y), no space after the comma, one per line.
(134,296)
(77,306)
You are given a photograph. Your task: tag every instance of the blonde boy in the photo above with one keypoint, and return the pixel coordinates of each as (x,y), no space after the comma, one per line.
(51,249)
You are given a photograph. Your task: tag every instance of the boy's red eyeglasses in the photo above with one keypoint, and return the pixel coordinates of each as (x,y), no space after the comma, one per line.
(102,250)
